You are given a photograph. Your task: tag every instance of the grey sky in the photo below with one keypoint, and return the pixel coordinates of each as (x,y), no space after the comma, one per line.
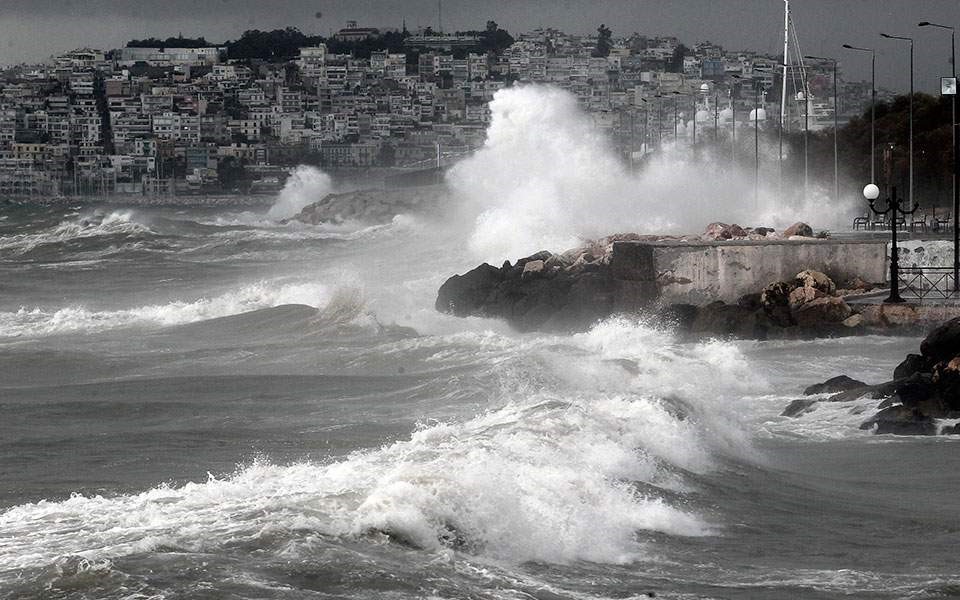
(34,29)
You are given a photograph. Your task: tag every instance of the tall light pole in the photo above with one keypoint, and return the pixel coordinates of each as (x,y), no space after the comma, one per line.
(956,159)
(659,122)
(759,98)
(806,138)
(733,126)
(694,98)
(910,144)
(646,118)
(716,114)
(873,107)
(675,140)
(836,127)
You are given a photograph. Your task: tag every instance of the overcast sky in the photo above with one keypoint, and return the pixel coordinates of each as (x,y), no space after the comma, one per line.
(31,30)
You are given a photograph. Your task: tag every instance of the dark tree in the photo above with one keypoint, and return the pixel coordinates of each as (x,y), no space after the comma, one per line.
(676,61)
(170,42)
(604,41)
(279,44)
(493,39)
(230,172)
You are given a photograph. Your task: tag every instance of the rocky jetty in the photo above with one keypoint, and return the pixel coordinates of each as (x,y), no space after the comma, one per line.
(572,290)
(374,206)
(924,391)
(544,291)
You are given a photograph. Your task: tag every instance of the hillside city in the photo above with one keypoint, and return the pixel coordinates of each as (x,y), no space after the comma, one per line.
(156,119)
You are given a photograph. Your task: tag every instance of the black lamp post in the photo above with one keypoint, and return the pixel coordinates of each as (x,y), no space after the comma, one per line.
(871,192)
(716,114)
(956,159)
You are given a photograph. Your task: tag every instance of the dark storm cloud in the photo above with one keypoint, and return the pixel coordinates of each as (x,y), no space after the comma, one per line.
(33,29)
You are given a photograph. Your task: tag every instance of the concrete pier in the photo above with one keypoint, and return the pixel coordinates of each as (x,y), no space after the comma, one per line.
(703,272)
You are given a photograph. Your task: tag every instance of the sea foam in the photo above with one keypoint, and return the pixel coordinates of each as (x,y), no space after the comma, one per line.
(546,177)
(306,185)
(264,294)
(95,224)
(557,469)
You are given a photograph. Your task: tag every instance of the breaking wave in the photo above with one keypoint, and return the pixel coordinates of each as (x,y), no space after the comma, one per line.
(265,294)
(306,185)
(546,178)
(558,469)
(94,225)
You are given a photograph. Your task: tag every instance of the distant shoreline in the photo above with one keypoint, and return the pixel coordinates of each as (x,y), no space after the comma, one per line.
(218,201)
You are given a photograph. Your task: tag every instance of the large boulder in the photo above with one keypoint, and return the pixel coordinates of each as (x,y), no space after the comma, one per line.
(901,420)
(827,310)
(465,295)
(799,406)
(946,378)
(840,383)
(913,363)
(798,229)
(943,343)
(816,280)
(723,231)
(532,269)
(775,301)
(803,294)
(374,205)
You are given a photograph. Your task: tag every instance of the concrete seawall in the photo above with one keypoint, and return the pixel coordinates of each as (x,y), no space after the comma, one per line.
(703,272)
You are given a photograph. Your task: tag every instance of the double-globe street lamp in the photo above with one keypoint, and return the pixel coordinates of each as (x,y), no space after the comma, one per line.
(956,158)
(871,192)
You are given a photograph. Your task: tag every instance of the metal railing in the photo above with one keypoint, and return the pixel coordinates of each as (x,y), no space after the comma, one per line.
(927,282)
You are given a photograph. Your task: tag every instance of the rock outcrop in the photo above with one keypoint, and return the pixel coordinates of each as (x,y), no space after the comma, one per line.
(572,290)
(925,389)
(373,206)
(546,291)
(798,229)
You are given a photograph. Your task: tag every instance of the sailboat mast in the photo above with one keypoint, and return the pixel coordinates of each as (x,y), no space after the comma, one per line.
(786,62)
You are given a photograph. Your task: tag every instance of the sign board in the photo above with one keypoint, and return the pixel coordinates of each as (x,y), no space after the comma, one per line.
(948,86)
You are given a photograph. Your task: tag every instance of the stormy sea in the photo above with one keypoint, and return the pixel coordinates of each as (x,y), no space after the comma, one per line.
(223,403)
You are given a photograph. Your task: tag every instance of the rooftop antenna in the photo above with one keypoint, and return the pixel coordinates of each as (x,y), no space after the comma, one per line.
(439,16)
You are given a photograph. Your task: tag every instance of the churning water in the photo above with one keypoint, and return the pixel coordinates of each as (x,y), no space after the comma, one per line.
(201,403)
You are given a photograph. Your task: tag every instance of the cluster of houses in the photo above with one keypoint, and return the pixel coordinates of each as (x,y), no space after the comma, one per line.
(161,121)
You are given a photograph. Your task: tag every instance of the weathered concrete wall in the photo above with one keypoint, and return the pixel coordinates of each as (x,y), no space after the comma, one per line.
(702,272)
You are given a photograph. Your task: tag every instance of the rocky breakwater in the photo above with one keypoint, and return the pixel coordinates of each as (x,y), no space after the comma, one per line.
(922,398)
(373,206)
(549,292)
(808,305)
(572,290)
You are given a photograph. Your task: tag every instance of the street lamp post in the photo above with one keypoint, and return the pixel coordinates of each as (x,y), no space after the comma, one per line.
(716,115)
(659,122)
(806,140)
(733,114)
(910,147)
(675,141)
(956,159)
(836,127)
(871,192)
(758,113)
(675,100)
(873,106)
